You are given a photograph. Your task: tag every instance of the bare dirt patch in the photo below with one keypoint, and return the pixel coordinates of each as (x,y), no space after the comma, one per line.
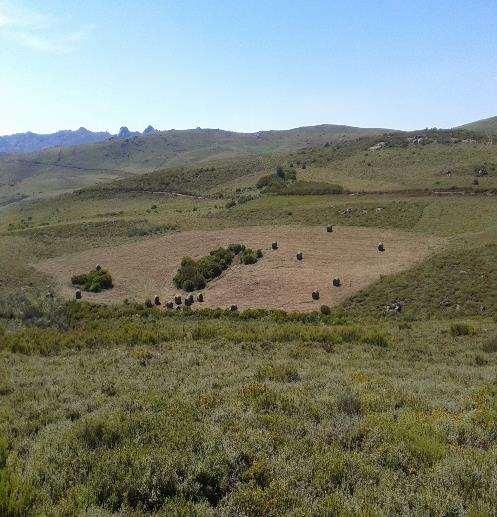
(143,269)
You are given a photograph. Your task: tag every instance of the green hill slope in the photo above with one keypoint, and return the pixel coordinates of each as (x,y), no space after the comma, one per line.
(62,169)
(488,125)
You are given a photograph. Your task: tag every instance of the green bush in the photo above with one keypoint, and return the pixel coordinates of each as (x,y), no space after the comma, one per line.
(236,248)
(305,188)
(376,338)
(248,257)
(461,329)
(193,275)
(95,281)
(490,345)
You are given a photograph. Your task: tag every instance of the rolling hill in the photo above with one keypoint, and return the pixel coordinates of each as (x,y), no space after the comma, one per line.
(487,125)
(57,170)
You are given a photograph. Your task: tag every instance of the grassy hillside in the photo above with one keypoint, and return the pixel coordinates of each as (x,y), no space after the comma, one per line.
(412,161)
(63,169)
(486,125)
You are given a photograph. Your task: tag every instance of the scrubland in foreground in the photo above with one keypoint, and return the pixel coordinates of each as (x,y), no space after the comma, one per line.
(133,410)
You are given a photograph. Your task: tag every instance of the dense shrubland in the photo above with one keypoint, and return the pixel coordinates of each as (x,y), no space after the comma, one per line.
(193,274)
(255,413)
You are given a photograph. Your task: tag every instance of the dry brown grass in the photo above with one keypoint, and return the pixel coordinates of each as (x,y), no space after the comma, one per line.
(279,280)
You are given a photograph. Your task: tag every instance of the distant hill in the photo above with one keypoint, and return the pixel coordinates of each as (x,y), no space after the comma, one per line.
(25,143)
(487,125)
(68,168)
(31,142)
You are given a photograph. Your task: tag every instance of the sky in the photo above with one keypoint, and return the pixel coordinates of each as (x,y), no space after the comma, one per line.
(245,65)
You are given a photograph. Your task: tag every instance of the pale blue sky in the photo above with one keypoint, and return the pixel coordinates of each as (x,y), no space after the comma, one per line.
(245,65)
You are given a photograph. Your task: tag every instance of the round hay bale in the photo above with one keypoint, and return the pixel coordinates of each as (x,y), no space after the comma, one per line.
(329,228)
(78,294)
(156,300)
(315,295)
(325,309)
(177,300)
(300,255)
(200,298)
(233,308)
(336,282)
(170,305)
(274,245)
(381,247)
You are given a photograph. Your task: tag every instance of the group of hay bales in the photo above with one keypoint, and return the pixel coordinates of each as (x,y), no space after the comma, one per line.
(177,301)
(336,282)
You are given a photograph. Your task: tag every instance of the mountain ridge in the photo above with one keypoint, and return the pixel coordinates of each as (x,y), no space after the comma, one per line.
(29,142)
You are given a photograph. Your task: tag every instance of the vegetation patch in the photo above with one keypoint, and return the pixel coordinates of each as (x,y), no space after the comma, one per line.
(306,188)
(95,281)
(194,274)
(453,284)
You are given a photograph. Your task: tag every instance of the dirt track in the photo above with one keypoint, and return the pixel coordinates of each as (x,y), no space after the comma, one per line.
(278,280)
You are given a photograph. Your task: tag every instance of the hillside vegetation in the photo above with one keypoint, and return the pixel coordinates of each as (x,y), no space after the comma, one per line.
(65,169)
(383,403)
(487,125)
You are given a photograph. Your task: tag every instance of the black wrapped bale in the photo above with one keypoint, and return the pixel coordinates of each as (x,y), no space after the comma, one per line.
(300,255)
(188,302)
(315,295)
(148,303)
(233,308)
(325,310)
(156,300)
(98,267)
(78,295)
(177,300)
(337,282)
(200,298)
(169,305)
(274,245)
(329,228)
(381,247)
(190,298)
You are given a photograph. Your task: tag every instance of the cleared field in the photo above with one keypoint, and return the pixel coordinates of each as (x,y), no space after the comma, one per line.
(278,280)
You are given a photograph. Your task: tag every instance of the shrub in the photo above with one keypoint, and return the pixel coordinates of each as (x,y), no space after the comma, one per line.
(194,275)
(259,254)
(236,248)
(265,181)
(349,403)
(248,257)
(305,188)
(490,345)
(94,281)
(461,329)
(376,338)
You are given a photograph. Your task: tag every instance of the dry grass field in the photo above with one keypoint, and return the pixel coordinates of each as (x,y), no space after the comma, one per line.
(141,270)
